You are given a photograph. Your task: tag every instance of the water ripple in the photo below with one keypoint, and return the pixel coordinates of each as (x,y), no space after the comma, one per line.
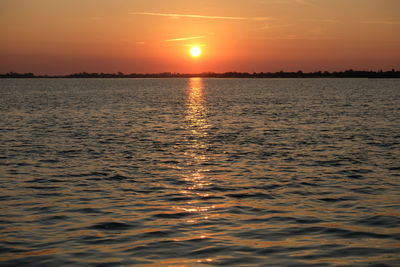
(199,172)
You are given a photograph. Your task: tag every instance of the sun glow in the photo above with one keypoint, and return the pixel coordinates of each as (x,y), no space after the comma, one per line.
(195,51)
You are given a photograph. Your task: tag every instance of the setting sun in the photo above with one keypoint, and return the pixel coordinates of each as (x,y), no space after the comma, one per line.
(195,51)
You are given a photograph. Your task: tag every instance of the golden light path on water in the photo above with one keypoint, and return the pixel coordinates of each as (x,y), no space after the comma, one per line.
(196,126)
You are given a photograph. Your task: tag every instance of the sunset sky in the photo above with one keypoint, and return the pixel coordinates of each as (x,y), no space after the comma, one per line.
(69,36)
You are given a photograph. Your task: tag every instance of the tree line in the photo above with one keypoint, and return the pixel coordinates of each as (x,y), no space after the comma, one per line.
(281,74)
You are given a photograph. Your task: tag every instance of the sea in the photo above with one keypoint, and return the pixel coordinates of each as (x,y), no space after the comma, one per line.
(200,172)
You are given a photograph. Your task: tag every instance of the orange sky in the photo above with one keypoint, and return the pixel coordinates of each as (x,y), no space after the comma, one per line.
(68,36)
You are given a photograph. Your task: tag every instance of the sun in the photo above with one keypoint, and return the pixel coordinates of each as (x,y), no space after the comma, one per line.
(195,51)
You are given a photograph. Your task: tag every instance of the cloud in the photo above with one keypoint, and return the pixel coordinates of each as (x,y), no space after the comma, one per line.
(185,38)
(176,16)
(96,18)
(299,37)
(271,26)
(304,2)
(318,30)
(333,21)
(288,2)
(283,37)
(387,22)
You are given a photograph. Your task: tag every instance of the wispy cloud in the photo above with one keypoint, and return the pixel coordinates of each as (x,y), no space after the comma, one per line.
(96,18)
(305,2)
(333,21)
(299,37)
(185,38)
(388,22)
(289,2)
(272,26)
(176,16)
(283,37)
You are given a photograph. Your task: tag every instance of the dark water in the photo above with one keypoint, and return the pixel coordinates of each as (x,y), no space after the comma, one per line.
(197,172)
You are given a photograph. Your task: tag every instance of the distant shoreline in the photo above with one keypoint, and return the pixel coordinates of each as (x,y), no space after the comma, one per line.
(319,74)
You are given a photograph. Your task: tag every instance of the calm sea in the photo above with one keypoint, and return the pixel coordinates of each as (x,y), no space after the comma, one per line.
(197,172)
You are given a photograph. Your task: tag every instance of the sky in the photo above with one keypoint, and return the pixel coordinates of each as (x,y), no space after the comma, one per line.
(151,36)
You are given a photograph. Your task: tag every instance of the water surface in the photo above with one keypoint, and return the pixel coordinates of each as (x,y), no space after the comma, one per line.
(200,172)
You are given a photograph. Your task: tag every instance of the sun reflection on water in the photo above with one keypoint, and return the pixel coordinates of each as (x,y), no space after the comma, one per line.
(197,125)
(196,146)
(196,111)
(194,171)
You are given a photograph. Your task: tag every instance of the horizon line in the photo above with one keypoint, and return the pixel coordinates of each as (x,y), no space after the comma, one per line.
(349,73)
(221,72)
